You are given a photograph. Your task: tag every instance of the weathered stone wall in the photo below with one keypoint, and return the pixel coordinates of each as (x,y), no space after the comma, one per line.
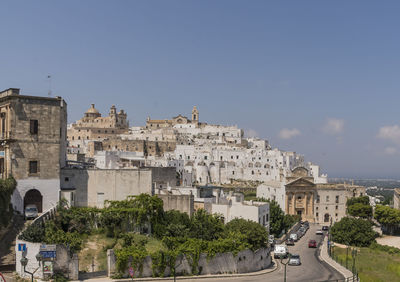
(94,186)
(225,263)
(183,203)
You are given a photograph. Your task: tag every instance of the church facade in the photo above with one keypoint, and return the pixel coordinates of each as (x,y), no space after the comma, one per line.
(322,203)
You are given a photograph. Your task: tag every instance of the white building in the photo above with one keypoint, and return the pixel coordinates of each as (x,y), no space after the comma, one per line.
(273,190)
(233,206)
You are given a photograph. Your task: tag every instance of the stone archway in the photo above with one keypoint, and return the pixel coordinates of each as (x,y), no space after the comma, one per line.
(326,217)
(34,197)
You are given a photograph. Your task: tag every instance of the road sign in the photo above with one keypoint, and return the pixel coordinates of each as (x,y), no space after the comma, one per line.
(131,271)
(48,248)
(2,155)
(48,254)
(22,247)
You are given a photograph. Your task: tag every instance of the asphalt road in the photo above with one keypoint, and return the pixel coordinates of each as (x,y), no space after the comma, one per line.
(311,269)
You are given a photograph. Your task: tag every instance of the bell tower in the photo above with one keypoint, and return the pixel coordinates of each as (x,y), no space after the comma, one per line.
(195,114)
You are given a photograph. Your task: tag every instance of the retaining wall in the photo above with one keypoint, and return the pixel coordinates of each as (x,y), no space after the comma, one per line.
(222,263)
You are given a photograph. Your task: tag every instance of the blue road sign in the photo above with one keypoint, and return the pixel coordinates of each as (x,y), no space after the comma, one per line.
(48,254)
(22,247)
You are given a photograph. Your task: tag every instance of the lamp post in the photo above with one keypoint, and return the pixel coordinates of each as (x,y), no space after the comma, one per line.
(24,262)
(285,264)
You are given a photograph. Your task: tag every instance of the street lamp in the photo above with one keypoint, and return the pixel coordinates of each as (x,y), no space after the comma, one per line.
(285,264)
(24,262)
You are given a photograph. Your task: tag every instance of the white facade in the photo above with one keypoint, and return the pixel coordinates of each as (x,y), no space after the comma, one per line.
(234,206)
(48,188)
(273,190)
(318,178)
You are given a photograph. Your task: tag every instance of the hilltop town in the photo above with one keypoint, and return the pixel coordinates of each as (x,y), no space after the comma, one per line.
(100,164)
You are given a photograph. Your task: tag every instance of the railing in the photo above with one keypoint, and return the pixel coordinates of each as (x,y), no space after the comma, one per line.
(349,262)
(354,278)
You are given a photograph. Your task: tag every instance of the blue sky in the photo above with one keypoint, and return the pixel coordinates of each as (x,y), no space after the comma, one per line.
(316,77)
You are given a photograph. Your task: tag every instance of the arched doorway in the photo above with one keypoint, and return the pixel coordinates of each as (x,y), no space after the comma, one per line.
(34,197)
(326,217)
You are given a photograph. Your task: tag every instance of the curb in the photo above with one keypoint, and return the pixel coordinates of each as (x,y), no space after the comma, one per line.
(261,272)
(342,270)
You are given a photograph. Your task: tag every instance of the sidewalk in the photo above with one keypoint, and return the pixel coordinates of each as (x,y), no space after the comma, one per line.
(325,257)
(261,272)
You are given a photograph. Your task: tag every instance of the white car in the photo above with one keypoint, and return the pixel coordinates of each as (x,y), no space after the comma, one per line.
(319,232)
(294,260)
(31,211)
(294,237)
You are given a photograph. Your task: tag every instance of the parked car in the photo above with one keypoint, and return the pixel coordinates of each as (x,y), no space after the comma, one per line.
(325,228)
(271,240)
(289,242)
(280,251)
(294,260)
(319,232)
(31,211)
(293,236)
(312,244)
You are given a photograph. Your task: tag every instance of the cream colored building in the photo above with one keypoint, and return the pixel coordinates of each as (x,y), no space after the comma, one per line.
(95,127)
(320,203)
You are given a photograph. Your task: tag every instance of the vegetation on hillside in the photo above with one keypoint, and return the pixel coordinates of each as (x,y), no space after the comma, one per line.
(7,187)
(174,232)
(377,263)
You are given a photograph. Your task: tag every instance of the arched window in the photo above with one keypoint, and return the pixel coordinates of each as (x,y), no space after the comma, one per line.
(326,217)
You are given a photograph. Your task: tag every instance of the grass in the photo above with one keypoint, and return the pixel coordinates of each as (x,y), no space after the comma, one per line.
(95,247)
(372,265)
(95,251)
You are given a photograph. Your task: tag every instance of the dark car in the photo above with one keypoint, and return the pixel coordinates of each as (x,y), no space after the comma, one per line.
(325,228)
(289,242)
(312,244)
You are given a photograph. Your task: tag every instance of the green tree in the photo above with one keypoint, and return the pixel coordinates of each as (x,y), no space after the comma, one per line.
(360,210)
(256,235)
(206,226)
(353,231)
(387,216)
(277,218)
(361,200)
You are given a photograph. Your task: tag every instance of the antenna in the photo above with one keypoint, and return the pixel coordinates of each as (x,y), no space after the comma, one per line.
(49,79)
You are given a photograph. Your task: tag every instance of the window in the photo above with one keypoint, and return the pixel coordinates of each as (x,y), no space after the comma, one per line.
(233,173)
(33,167)
(318,199)
(205,157)
(34,127)
(337,199)
(66,179)
(337,207)
(327,198)
(316,214)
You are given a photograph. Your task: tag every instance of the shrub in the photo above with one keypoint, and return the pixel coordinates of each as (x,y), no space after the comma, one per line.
(353,231)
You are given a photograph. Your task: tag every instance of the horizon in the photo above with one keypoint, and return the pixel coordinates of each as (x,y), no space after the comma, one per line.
(316,78)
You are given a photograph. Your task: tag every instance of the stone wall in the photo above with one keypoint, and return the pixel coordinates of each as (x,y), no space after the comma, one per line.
(225,263)
(183,203)
(94,186)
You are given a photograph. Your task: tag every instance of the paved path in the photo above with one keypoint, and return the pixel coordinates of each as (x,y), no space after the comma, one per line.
(393,241)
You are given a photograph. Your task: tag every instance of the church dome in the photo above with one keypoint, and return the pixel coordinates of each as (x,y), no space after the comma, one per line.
(92,110)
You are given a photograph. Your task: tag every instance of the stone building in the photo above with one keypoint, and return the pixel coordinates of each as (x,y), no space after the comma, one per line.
(95,127)
(320,203)
(32,146)
(396,198)
(178,120)
(91,187)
